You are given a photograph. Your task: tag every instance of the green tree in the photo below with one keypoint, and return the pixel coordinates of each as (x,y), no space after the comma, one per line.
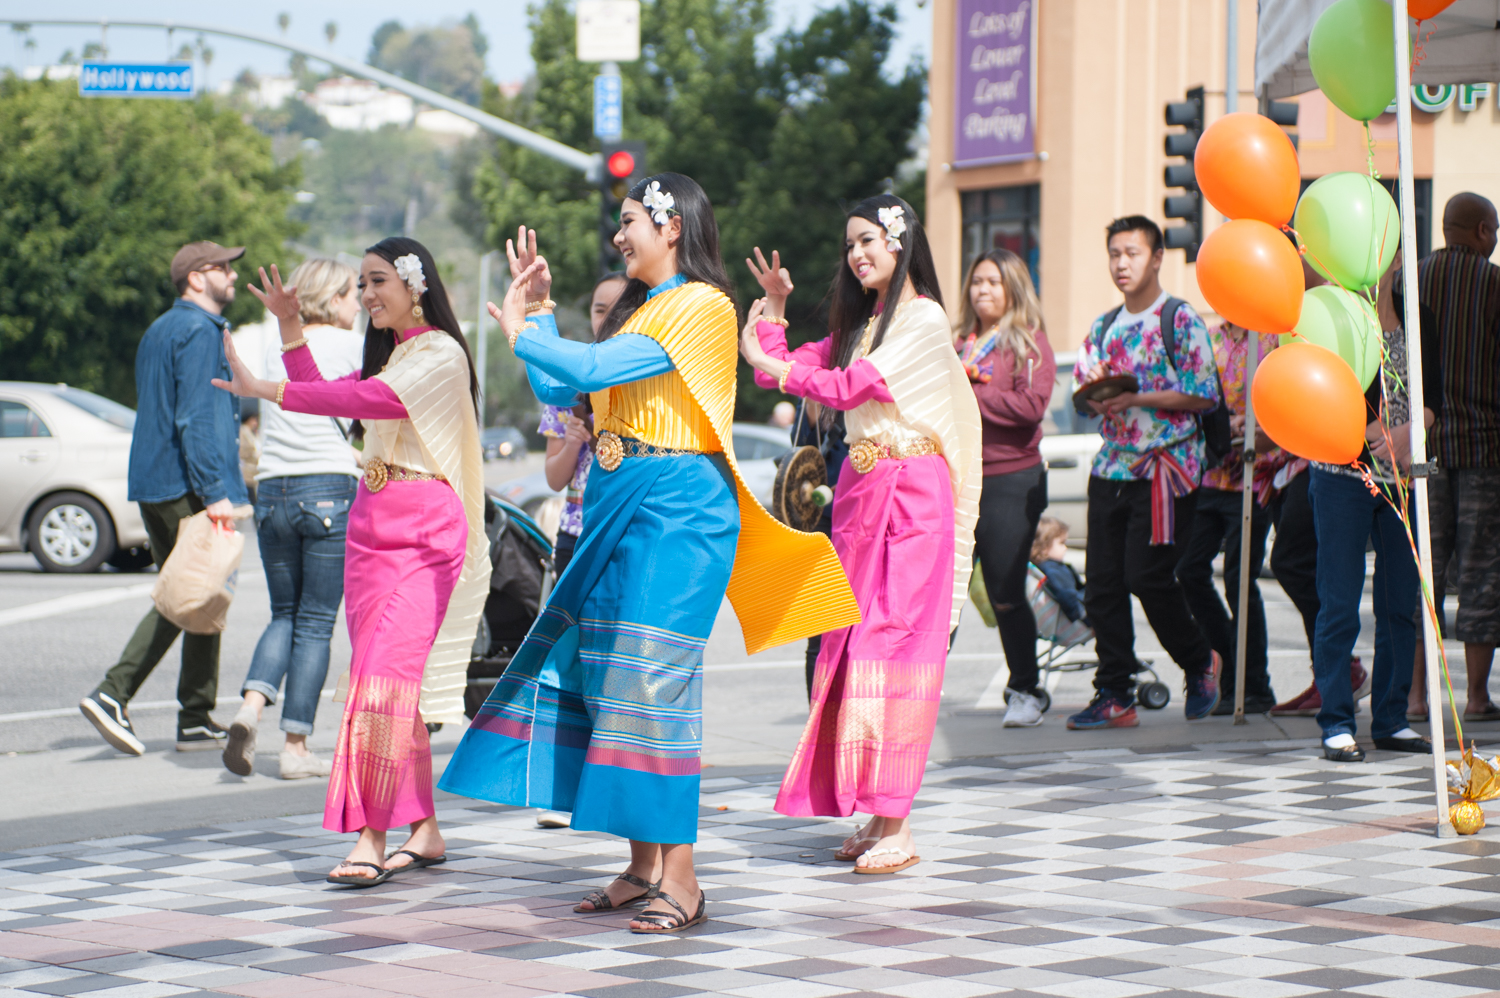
(781,136)
(448,59)
(96,195)
(363,180)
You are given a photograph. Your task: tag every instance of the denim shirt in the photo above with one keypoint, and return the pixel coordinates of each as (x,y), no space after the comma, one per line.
(186,430)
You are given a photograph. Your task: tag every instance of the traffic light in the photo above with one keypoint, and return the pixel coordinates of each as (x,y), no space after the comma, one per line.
(1187,206)
(1283,113)
(624,166)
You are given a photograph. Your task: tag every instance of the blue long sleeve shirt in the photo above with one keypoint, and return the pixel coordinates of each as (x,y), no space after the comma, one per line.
(186,431)
(561,370)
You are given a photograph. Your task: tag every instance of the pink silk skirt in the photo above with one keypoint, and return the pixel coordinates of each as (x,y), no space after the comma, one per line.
(404,554)
(877,684)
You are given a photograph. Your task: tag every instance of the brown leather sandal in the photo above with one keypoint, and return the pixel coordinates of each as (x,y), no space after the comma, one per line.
(601,902)
(665,921)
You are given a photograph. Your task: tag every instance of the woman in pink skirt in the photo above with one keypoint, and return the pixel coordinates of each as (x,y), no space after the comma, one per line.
(416,569)
(903,521)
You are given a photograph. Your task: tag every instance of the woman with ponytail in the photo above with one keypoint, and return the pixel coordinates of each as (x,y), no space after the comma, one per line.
(903,520)
(600,711)
(416,566)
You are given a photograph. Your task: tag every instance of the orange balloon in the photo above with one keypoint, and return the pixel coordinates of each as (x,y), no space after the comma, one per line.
(1423,9)
(1247,168)
(1251,275)
(1309,403)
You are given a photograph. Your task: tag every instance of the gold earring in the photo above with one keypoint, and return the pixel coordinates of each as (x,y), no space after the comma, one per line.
(416,305)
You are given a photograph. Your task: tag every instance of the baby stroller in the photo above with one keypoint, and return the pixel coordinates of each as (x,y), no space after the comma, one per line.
(521,578)
(1060,644)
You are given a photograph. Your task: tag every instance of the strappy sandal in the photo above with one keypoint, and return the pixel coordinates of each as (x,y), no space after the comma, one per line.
(601,902)
(848,857)
(665,921)
(417,862)
(907,861)
(354,880)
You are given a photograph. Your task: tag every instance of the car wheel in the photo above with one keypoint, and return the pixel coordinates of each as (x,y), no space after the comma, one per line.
(70,532)
(136,559)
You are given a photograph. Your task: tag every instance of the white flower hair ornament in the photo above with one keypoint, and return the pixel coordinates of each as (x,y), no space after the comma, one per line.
(409,269)
(659,203)
(893,221)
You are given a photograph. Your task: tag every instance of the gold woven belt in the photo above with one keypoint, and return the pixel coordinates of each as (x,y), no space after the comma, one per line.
(378,472)
(611,449)
(864,453)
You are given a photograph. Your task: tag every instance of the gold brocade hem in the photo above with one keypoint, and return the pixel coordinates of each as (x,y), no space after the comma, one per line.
(611,449)
(863,454)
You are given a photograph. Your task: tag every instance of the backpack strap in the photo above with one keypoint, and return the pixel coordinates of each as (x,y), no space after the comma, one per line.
(1169,310)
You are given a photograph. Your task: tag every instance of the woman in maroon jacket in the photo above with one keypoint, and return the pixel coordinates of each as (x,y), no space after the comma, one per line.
(1004,348)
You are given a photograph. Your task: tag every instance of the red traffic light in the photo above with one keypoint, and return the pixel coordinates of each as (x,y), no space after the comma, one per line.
(621,164)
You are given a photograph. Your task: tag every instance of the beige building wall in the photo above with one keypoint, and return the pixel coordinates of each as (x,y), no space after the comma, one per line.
(1105,71)
(1466,144)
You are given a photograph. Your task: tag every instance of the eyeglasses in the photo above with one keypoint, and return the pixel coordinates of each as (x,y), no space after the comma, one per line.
(221,267)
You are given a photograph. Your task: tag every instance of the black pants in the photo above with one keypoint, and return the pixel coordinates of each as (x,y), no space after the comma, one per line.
(1216,524)
(1294,554)
(1122,562)
(1009,507)
(562,551)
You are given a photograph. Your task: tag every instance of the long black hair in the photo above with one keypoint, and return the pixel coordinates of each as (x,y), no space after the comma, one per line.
(697,251)
(851,304)
(436,311)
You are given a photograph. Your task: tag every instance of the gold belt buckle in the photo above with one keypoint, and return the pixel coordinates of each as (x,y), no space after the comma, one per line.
(864,454)
(377,473)
(610,450)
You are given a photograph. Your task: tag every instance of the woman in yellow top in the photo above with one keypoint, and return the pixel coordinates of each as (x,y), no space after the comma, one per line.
(600,711)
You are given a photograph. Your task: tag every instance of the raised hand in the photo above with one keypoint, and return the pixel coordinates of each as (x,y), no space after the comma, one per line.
(522,254)
(774,279)
(511,312)
(279,301)
(243,383)
(750,347)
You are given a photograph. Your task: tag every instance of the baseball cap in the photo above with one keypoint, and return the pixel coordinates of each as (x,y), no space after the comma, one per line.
(196,256)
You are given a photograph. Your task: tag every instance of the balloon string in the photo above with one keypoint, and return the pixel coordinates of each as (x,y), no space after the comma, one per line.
(1419,51)
(1370,152)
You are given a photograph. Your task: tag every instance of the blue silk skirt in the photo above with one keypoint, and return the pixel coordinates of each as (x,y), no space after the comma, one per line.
(600,712)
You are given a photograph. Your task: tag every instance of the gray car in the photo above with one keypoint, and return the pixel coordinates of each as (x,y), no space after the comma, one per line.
(756,448)
(66,455)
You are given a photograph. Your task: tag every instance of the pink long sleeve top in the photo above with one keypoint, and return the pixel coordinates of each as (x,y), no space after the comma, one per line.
(813,378)
(349,396)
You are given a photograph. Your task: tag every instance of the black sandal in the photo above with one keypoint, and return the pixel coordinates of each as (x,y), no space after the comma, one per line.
(417,862)
(601,902)
(353,880)
(668,922)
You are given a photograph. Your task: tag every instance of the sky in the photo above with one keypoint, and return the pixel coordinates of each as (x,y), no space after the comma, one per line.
(503,21)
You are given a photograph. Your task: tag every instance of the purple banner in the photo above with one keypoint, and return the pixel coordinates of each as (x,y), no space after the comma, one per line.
(995,105)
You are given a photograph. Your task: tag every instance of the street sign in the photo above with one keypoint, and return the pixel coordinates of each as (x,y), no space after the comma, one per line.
(135,79)
(609,110)
(609,30)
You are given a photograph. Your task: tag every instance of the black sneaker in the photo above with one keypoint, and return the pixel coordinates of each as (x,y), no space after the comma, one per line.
(202,737)
(113,723)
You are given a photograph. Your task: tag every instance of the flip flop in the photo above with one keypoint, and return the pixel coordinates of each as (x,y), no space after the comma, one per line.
(847,857)
(908,860)
(417,862)
(353,880)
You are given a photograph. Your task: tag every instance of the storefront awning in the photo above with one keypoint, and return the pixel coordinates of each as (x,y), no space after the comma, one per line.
(1460,45)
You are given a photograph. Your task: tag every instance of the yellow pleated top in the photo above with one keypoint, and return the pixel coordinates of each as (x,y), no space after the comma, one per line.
(786,585)
(660,410)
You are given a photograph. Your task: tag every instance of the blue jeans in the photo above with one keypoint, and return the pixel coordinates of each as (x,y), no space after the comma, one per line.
(1346,516)
(300,522)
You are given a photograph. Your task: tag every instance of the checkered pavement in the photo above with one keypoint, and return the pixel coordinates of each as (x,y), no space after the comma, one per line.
(1250,872)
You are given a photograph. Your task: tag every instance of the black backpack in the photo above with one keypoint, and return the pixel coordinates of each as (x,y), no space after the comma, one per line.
(1214,425)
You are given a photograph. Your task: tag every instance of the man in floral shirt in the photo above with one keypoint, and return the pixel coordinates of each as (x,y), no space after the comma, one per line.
(1143,486)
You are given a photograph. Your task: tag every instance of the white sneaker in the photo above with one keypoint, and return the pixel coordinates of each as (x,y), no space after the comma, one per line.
(300,767)
(239,750)
(1023,711)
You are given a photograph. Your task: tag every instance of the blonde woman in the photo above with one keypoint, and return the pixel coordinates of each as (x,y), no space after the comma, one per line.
(305,484)
(1002,342)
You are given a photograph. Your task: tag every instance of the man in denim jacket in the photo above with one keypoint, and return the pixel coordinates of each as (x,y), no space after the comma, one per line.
(184,458)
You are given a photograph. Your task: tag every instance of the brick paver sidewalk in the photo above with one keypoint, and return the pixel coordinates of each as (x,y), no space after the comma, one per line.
(1257,873)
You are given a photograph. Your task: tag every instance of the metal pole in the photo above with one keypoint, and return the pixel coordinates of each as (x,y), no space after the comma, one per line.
(481,334)
(1247,510)
(589,163)
(1231,56)
(1412,322)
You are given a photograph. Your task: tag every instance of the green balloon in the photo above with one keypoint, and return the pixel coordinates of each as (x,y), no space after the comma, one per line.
(1343,322)
(1353,58)
(1350,227)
